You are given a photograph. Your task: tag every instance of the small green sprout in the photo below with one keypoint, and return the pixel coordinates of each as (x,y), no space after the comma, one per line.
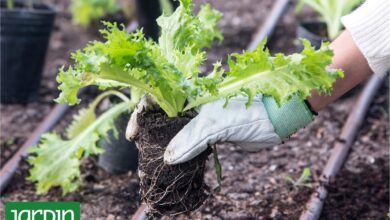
(303,180)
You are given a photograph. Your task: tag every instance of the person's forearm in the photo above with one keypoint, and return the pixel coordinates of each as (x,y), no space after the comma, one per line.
(348,58)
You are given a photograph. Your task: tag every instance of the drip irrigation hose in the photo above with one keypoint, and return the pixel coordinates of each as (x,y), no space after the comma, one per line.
(265,30)
(341,149)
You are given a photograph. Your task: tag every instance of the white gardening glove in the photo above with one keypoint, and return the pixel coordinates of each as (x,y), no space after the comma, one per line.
(249,127)
(263,124)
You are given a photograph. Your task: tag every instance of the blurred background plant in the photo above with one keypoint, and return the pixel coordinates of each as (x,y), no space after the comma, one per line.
(11,4)
(331,12)
(85,11)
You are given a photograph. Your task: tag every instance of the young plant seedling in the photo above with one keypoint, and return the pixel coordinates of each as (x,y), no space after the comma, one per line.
(331,12)
(85,11)
(302,181)
(55,161)
(168,71)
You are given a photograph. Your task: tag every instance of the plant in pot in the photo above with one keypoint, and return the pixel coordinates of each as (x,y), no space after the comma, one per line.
(25,33)
(168,73)
(329,27)
(56,159)
(120,155)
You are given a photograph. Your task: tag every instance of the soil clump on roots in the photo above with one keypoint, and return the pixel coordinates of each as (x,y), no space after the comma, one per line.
(168,189)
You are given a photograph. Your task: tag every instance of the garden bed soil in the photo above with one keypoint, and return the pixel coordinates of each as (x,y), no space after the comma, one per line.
(254,185)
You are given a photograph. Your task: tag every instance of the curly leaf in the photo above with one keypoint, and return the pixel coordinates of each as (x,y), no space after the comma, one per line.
(281,77)
(84,118)
(168,71)
(56,162)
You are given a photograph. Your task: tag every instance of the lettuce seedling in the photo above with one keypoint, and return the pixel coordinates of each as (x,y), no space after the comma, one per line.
(85,11)
(169,71)
(303,180)
(331,12)
(56,161)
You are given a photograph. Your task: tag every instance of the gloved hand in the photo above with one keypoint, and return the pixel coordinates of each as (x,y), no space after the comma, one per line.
(263,124)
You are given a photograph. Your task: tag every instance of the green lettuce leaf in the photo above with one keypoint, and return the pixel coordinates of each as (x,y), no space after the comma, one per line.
(279,76)
(56,162)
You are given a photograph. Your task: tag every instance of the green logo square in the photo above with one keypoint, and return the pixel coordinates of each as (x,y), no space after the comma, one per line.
(42,211)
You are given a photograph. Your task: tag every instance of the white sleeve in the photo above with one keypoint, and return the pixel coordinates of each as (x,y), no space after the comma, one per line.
(370,28)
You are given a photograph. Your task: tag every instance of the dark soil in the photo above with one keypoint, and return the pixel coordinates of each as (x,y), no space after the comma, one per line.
(359,195)
(167,189)
(102,196)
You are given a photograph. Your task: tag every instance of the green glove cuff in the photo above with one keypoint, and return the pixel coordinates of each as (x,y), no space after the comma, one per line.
(289,117)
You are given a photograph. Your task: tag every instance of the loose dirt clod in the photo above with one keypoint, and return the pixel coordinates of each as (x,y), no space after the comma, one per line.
(168,189)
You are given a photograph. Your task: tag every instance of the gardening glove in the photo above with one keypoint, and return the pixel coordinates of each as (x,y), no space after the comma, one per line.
(261,125)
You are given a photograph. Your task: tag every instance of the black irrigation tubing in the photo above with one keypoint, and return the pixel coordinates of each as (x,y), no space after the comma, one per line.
(262,32)
(55,115)
(341,149)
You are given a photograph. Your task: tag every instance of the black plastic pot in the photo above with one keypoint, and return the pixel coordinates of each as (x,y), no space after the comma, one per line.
(314,31)
(147,13)
(24,35)
(120,155)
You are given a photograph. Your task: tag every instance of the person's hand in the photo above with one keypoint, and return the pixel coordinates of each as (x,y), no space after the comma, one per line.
(263,124)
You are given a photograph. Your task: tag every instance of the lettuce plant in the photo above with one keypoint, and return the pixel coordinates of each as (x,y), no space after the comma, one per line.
(169,72)
(85,11)
(303,180)
(56,161)
(331,12)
